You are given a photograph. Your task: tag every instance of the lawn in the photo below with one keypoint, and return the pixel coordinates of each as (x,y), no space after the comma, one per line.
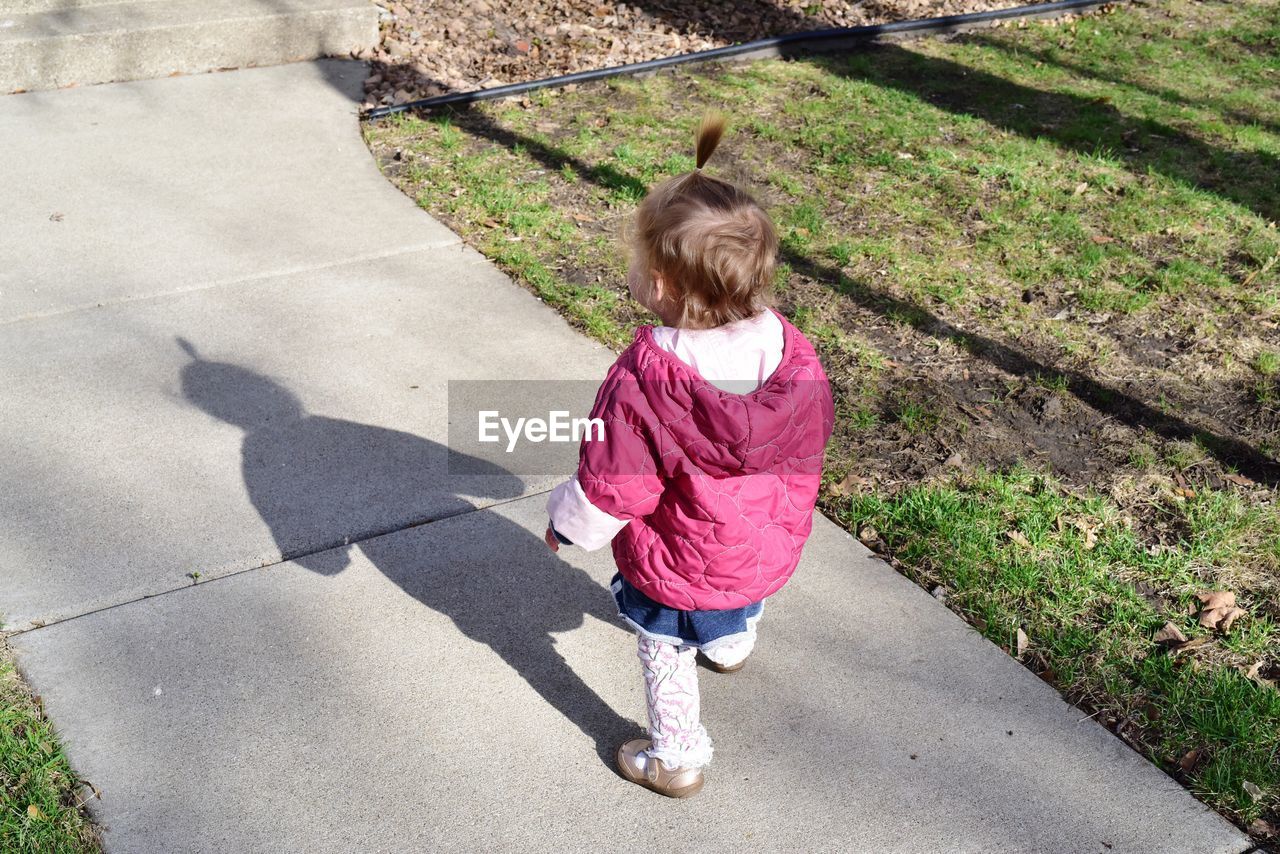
(39,805)
(1041,264)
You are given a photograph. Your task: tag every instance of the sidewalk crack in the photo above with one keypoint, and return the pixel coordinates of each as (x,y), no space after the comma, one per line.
(228,282)
(283,559)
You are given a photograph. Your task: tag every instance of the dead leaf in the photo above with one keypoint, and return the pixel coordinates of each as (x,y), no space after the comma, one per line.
(1019,538)
(1194,643)
(1189,760)
(1210,599)
(1253,789)
(1169,635)
(1080,189)
(34,811)
(1102,239)
(1231,616)
(1089,529)
(1183,492)
(1262,829)
(868,535)
(1238,480)
(1023,642)
(1218,609)
(1254,674)
(848,485)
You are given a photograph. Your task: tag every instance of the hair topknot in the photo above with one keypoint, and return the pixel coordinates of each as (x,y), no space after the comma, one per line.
(710,130)
(712,244)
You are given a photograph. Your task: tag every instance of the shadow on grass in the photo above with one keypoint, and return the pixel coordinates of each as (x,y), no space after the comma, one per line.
(1169,96)
(1125,408)
(1085,125)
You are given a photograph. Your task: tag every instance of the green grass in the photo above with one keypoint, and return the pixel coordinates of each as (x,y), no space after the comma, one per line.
(38,806)
(1089,628)
(1042,268)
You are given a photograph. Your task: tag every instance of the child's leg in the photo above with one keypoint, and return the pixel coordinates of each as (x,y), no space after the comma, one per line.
(671,690)
(728,653)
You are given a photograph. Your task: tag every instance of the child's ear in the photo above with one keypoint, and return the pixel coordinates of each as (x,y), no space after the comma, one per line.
(659,291)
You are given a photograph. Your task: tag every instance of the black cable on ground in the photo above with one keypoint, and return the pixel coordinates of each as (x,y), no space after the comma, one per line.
(809,41)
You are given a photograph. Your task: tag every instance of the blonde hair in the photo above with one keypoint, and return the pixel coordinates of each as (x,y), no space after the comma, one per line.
(713,245)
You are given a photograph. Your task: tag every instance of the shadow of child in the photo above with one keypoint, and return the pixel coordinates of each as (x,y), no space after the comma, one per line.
(325,485)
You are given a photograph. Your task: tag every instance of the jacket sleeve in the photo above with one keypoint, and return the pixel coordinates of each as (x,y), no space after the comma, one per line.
(578,520)
(618,467)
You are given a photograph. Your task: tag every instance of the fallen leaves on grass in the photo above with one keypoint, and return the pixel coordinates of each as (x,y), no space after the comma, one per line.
(1088,529)
(34,811)
(1262,829)
(850,484)
(870,538)
(1254,674)
(1169,635)
(1172,639)
(1190,760)
(1194,643)
(1019,538)
(1218,609)
(1022,643)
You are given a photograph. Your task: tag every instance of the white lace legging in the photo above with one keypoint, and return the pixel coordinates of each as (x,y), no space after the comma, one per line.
(671,693)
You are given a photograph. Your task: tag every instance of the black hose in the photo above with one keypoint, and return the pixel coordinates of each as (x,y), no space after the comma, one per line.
(811,39)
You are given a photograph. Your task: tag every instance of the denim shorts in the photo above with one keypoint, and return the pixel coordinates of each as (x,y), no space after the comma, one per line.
(682,628)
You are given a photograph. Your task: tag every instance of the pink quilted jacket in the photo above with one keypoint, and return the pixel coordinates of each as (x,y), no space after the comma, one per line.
(719,487)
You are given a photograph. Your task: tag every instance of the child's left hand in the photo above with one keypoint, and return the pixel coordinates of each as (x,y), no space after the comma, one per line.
(550,538)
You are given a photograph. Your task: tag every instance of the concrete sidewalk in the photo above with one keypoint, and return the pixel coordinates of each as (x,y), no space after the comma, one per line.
(225,341)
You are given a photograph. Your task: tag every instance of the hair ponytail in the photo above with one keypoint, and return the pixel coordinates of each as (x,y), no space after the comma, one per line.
(709,133)
(714,246)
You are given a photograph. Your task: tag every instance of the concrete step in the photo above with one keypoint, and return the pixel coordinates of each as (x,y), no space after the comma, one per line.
(27,7)
(49,44)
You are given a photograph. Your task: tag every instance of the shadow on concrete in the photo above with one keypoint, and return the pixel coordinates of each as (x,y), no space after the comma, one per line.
(305,473)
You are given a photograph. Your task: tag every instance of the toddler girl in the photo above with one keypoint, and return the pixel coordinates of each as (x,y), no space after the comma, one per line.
(708,471)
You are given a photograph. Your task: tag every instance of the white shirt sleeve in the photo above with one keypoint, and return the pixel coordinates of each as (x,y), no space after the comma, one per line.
(574,516)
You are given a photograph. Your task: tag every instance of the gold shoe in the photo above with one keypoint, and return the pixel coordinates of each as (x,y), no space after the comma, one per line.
(654,774)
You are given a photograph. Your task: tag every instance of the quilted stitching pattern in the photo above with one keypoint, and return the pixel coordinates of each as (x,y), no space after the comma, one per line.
(719,488)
